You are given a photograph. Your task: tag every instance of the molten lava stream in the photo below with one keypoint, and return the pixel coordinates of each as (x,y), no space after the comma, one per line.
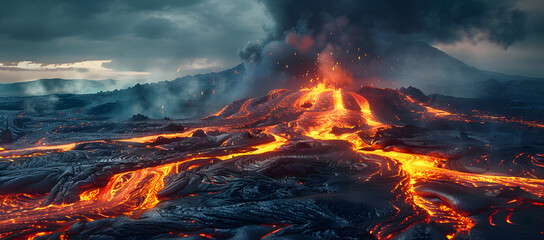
(420,168)
(476,116)
(319,124)
(46,149)
(129,193)
(319,121)
(35,151)
(16,202)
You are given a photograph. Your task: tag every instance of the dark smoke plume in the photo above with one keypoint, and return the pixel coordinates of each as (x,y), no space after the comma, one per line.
(376,42)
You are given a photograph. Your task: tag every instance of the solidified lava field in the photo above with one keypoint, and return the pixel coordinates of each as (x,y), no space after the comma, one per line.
(317,163)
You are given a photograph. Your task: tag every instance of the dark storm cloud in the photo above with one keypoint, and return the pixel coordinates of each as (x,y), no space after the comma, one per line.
(524,57)
(372,22)
(100,19)
(429,20)
(46,20)
(137,35)
(153,28)
(159,4)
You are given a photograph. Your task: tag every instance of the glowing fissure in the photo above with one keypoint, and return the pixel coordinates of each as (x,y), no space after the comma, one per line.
(420,168)
(319,124)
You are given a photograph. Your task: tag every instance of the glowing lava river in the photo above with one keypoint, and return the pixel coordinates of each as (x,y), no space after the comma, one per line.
(317,163)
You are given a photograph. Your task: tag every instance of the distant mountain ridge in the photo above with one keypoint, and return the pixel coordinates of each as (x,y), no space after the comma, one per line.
(435,72)
(405,64)
(60,86)
(185,97)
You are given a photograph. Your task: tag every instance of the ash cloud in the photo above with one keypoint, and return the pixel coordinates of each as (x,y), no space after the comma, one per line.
(381,43)
(425,20)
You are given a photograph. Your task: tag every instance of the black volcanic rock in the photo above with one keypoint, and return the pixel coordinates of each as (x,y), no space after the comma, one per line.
(138,117)
(6,137)
(200,134)
(383,170)
(415,94)
(174,128)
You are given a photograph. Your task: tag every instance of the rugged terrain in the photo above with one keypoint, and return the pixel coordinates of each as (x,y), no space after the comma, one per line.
(315,163)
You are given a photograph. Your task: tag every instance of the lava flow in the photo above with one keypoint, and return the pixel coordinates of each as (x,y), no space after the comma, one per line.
(315,163)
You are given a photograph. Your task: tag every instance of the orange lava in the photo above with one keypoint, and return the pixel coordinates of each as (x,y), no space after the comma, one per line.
(320,117)
(128,193)
(421,168)
(35,151)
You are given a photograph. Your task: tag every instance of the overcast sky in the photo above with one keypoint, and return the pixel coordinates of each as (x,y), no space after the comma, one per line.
(165,39)
(525,57)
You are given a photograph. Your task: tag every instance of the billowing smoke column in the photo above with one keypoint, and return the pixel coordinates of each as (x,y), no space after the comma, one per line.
(374,42)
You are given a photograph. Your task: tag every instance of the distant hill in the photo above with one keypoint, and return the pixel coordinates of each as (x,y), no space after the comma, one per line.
(185,97)
(435,72)
(60,86)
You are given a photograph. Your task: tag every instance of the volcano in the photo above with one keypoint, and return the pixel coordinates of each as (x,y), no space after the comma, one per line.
(316,163)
